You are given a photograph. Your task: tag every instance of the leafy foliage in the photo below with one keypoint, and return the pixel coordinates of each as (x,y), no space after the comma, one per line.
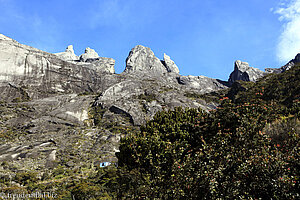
(247,148)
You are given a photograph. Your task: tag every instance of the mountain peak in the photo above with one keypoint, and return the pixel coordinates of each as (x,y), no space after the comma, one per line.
(142,60)
(70,49)
(242,71)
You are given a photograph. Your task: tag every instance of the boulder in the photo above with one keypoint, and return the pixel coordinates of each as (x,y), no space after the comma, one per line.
(242,71)
(89,55)
(68,55)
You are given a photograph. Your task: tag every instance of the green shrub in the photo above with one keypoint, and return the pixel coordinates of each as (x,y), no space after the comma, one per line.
(189,154)
(25,178)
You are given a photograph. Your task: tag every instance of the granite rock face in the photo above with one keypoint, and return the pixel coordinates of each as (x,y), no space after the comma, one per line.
(201,83)
(170,64)
(139,100)
(291,63)
(242,71)
(102,64)
(3,37)
(142,60)
(89,59)
(26,71)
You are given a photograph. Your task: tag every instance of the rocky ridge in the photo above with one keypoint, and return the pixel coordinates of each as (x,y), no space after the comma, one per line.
(288,66)
(242,71)
(63,109)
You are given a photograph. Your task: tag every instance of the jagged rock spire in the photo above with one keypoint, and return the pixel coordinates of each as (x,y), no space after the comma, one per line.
(242,71)
(142,60)
(88,54)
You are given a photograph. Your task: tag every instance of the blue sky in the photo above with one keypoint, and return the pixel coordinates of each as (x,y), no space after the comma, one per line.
(203,37)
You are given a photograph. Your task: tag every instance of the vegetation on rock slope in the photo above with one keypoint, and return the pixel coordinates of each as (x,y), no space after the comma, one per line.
(248,148)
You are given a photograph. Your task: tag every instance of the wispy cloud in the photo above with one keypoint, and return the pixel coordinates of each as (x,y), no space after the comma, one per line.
(289,41)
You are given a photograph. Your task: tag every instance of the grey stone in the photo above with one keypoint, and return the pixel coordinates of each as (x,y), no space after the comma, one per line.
(142,60)
(102,64)
(242,71)
(52,156)
(202,84)
(68,55)
(88,54)
(170,64)
(44,74)
(286,67)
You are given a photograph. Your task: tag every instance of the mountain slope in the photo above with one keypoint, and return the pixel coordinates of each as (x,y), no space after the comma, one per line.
(61,115)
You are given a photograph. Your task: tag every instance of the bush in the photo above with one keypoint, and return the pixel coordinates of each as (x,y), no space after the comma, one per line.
(189,154)
(25,178)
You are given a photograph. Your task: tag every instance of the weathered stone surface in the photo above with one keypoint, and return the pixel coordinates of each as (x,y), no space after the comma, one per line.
(139,100)
(142,60)
(201,83)
(102,64)
(88,54)
(89,59)
(170,64)
(71,108)
(68,55)
(242,71)
(42,74)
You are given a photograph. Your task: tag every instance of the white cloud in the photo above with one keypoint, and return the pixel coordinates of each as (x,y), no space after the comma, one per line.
(289,41)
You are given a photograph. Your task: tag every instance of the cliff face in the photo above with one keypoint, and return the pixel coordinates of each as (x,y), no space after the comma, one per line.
(45,74)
